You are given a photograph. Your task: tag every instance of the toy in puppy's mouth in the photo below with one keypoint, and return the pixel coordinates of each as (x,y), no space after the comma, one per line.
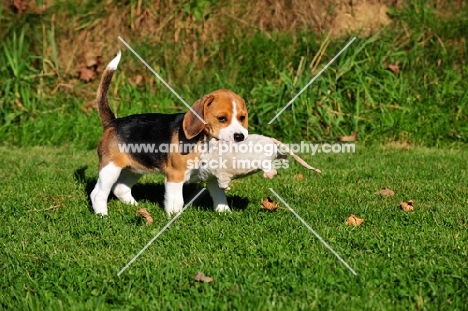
(226,161)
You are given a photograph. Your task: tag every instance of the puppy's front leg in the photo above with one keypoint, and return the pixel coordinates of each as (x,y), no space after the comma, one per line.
(173,198)
(219,197)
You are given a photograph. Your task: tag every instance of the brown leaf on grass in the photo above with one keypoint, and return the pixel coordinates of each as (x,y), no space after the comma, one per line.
(269,204)
(349,138)
(146,215)
(86,74)
(20,6)
(299,176)
(91,61)
(353,220)
(407,206)
(393,68)
(94,63)
(200,277)
(385,192)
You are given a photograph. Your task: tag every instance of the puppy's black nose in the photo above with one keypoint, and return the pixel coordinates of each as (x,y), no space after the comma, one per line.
(238,137)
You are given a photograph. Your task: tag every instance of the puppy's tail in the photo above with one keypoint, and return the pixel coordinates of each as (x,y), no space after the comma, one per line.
(105,113)
(296,157)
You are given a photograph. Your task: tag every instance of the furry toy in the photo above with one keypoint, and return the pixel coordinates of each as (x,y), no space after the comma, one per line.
(226,161)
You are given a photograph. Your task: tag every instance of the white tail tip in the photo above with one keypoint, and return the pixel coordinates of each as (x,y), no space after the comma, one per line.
(113,64)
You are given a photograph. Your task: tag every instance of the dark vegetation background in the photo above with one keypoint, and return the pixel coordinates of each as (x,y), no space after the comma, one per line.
(403,79)
(402,85)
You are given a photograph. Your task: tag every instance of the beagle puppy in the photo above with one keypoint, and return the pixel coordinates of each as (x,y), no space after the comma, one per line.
(137,144)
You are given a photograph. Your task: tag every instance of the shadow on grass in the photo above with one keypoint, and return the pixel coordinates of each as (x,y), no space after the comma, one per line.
(154,193)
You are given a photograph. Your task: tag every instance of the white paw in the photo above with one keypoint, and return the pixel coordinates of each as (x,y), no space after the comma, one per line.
(221,208)
(175,208)
(170,212)
(99,206)
(129,200)
(100,211)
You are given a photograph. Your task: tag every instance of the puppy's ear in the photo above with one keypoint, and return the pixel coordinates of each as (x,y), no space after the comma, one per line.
(192,124)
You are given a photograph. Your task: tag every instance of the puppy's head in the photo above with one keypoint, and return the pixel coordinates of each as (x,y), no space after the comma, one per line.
(225,114)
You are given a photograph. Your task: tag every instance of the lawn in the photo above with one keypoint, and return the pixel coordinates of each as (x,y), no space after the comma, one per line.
(58,254)
(402,86)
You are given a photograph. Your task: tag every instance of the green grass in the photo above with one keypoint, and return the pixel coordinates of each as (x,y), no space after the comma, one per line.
(56,254)
(67,258)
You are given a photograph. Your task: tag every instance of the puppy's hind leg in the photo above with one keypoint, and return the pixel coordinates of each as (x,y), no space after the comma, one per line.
(218,195)
(123,187)
(108,175)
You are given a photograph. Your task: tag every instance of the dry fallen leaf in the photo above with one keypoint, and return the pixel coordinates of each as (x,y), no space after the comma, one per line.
(386,192)
(353,220)
(146,215)
(407,206)
(91,61)
(86,74)
(349,138)
(94,62)
(269,204)
(393,68)
(299,176)
(200,277)
(100,65)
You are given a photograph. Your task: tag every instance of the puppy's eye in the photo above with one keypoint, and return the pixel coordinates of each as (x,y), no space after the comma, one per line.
(242,118)
(222,119)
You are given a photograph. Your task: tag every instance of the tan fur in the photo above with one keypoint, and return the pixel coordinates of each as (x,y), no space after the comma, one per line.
(105,113)
(242,111)
(176,165)
(108,151)
(210,107)
(192,124)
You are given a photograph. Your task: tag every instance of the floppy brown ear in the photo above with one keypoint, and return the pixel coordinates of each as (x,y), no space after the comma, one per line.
(192,124)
